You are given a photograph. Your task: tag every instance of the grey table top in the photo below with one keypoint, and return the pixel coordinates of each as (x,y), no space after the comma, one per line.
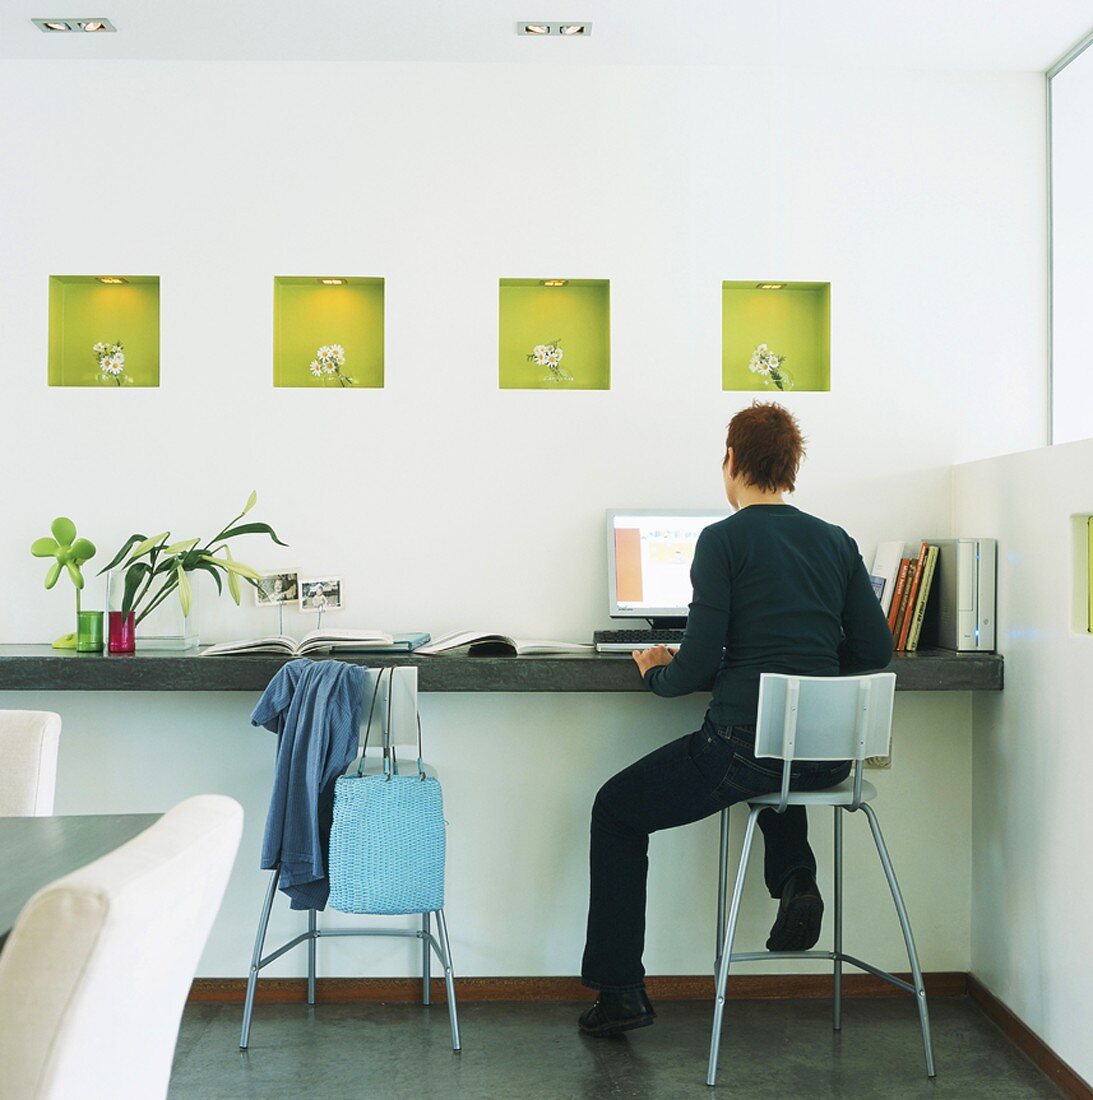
(34,851)
(39,668)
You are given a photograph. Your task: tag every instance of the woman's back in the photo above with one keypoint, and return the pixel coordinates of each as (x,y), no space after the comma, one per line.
(775,590)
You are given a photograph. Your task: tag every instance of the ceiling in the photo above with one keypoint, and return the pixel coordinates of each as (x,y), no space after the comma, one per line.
(901,34)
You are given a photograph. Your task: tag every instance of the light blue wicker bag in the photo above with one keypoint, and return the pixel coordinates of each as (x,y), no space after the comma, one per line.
(387,840)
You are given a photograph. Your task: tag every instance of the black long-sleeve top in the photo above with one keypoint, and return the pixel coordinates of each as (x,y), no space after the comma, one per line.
(775,590)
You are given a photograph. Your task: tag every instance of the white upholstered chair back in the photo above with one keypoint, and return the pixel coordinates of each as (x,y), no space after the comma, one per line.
(95,972)
(28,762)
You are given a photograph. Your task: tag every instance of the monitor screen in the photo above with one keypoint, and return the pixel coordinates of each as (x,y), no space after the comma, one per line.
(649,561)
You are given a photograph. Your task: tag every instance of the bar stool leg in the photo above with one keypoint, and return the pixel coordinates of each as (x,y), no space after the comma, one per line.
(426,958)
(908,938)
(311,944)
(722,886)
(837,1002)
(726,947)
(256,958)
(449,980)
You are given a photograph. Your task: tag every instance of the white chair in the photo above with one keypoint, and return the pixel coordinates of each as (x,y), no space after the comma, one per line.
(28,762)
(400,726)
(818,718)
(95,973)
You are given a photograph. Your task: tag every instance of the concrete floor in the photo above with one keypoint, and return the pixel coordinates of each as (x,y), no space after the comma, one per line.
(777,1049)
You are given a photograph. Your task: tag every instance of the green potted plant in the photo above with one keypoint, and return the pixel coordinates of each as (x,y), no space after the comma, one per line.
(146,572)
(68,553)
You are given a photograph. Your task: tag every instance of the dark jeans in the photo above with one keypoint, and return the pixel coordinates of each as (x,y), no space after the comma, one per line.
(684,781)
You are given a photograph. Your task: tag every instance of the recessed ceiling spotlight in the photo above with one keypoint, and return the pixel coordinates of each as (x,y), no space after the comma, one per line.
(537,30)
(92,26)
(332,282)
(770,286)
(553,282)
(112,280)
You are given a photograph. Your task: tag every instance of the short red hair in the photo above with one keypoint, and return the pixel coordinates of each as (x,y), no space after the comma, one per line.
(767,446)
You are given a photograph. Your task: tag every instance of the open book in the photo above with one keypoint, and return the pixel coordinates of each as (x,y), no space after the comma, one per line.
(317,641)
(485,643)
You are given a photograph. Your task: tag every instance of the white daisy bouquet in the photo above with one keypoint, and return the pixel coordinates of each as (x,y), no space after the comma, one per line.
(111,359)
(767,364)
(550,356)
(327,365)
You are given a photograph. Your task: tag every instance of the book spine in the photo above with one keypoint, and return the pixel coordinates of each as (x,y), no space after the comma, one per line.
(901,613)
(897,593)
(923,596)
(912,597)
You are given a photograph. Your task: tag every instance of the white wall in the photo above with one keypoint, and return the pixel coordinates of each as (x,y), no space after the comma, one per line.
(1032,822)
(446,502)
(1072,220)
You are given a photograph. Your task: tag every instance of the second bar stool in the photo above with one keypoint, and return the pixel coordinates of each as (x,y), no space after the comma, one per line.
(818,718)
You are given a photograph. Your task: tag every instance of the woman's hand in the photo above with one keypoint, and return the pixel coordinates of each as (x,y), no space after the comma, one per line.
(646,659)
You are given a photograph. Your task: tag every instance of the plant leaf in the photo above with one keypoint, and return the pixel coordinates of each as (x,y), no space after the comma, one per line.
(252,500)
(134,575)
(64,530)
(75,574)
(143,547)
(44,547)
(121,553)
(181,547)
(53,574)
(252,529)
(83,550)
(185,593)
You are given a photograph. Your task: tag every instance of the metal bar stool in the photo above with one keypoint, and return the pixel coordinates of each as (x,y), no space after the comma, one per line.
(817,718)
(403,680)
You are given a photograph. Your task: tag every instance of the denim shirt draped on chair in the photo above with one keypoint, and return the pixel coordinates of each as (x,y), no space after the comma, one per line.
(314,707)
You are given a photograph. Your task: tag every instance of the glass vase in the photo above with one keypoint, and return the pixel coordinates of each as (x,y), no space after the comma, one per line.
(165,627)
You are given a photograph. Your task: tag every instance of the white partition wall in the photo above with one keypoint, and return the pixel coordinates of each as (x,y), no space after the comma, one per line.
(1032,943)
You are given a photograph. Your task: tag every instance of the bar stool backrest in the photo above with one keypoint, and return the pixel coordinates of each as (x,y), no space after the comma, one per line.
(395,716)
(824,718)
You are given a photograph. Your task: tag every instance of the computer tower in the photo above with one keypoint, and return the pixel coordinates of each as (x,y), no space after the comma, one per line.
(961,610)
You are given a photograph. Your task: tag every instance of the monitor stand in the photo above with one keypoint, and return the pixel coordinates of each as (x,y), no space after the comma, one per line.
(669,622)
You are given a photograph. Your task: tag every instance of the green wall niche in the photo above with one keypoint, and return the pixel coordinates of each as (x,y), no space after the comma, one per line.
(307,315)
(83,312)
(794,321)
(577,316)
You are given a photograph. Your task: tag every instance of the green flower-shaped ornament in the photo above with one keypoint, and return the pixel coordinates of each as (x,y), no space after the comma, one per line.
(68,553)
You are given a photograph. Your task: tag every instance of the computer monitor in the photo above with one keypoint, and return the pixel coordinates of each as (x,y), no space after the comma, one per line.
(649,556)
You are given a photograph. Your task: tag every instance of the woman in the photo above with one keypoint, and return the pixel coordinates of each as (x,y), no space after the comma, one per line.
(775,590)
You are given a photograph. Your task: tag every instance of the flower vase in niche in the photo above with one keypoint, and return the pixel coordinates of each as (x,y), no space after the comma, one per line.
(550,356)
(771,368)
(327,366)
(111,361)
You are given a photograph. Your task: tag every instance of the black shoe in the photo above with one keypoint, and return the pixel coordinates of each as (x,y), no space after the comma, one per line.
(614,1013)
(800,912)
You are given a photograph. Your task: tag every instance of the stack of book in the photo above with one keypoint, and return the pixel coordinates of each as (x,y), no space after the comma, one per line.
(903,586)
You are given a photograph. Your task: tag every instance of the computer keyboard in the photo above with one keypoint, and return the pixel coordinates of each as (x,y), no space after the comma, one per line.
(623,641)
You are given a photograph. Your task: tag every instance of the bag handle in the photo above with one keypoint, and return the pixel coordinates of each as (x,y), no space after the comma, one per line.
(390,759)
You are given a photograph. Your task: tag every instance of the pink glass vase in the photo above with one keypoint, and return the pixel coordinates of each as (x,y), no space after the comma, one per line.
(122,634)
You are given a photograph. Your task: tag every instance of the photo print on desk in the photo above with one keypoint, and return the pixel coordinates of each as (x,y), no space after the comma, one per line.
(277,588)
(321,594)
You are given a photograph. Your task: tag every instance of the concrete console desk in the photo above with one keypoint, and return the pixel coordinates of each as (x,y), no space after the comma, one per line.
(521,745)
(39,668)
